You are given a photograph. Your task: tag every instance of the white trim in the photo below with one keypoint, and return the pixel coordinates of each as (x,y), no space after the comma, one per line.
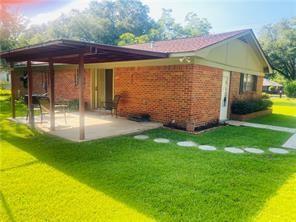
(202,61)
(194,53)
(261,52)
(223,114)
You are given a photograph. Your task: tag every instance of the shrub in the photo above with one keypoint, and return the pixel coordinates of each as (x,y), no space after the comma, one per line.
(73,105)
(5,92)
(290,89)
(250,106)
(265,96)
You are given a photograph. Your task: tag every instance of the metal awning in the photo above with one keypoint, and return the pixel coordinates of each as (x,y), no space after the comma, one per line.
(67,51)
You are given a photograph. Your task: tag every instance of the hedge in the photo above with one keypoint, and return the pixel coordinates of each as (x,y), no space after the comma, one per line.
(250,106)
(290,89)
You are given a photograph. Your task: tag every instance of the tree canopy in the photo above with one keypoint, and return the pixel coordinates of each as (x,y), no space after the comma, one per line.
(12,24)
(117,22)
(279,43)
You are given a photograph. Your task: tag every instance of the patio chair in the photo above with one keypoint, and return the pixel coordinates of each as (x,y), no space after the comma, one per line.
(35,104)
(113,105)
(45,108)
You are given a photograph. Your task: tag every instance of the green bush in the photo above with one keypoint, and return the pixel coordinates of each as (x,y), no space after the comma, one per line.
(290,89)
(265,96)
(73,105)
(250,106)
(5,92)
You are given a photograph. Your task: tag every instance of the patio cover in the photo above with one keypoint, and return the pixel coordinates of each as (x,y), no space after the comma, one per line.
(267,82)
(68,52)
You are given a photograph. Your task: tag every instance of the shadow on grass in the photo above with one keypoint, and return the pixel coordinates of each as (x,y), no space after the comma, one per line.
(164,181)
(7,208)
(276,120)
(19,166)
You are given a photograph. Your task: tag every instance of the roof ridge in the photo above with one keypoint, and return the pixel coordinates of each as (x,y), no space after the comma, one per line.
(191,37)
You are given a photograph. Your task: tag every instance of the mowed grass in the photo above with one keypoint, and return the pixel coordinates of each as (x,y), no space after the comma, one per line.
(44,178)
(283,113)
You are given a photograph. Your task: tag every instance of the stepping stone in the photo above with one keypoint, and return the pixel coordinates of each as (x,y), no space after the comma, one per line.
(278,150)
(141,137)
(234,150)
(187,144)
(254,150)
(161,140)
(207,147)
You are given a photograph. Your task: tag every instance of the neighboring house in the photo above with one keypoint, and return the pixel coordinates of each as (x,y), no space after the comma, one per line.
(4,79)
(193,87)
(271,86)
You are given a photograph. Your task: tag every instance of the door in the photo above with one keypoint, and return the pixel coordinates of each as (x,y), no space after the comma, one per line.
(224,96)
(98,81)
(108,87)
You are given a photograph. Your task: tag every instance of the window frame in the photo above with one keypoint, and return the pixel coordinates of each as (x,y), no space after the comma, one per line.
(248,83)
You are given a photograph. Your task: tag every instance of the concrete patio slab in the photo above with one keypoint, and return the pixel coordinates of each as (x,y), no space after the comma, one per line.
(97,126)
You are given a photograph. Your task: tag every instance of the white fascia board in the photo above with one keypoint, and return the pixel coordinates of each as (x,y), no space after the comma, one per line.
(202,61)
(261,52)
(196,53)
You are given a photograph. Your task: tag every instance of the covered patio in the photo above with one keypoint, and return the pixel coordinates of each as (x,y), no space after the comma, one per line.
(96,125)
(83,127)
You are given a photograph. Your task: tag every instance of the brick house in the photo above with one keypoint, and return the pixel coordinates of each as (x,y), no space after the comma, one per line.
(192,87)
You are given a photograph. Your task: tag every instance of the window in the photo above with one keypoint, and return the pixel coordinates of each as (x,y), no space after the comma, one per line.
(44,80)
(248,83)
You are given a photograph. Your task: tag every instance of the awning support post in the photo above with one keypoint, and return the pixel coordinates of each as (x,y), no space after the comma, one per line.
(51,94)
(30,93)
(13,89)
(81,98)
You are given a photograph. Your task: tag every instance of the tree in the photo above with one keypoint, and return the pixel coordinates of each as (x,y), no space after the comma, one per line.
(195,26)
(101,22)
(11,25)
(279,42)
(167,26)
(127,39)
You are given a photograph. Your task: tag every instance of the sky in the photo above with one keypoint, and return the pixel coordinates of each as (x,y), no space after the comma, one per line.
(224,15)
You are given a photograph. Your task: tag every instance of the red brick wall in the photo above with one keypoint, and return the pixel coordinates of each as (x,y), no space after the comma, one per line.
(161,91)
(234,88)
(65,88)
(206,96)
(188,94)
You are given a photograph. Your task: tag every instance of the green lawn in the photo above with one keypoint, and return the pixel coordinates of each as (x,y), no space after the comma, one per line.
(44,178)
(283,113)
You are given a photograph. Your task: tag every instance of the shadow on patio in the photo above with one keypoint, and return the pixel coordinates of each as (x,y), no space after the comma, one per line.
(97,125)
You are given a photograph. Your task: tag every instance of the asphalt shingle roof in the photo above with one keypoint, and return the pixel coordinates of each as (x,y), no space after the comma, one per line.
(187,44)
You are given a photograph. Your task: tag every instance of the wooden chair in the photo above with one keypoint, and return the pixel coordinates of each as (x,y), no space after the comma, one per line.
(45,108)
(113,105)
(35,104)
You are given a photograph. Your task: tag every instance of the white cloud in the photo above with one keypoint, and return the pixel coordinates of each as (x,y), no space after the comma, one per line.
(52,15)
